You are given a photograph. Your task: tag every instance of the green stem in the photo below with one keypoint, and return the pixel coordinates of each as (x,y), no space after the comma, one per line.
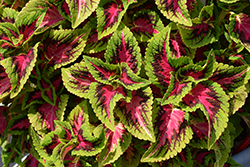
(221,17)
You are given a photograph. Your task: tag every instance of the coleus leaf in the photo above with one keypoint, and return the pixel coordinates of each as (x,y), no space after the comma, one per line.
(212,100)
(238,29)
(29,23)
(172,133)
(197,72)
(89,144)
(5,84)
(102,72)
(130,80)
(109,15)
(42,116)
(175,10)
(136,114)
(185,157)
(202,32)
(176,91)
(77,79)
(78,116)
(132,155)
(146,24)
(222,148)
(80,10)
(123,47)
(52,16)
(238,99)
(31,98)
(118,142)
(230,77)
(62,47)
(19,68)
(94,45)
(18,124)
(103,99)
(8,15)
(9,33)
(157,66)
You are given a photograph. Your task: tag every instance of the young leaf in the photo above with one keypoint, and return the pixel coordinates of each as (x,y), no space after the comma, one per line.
(103,99)
(202,32)
(136,114)
(19,68)
(102,72)
(197,72)
(118,142)
(62,47)
(212,100)
(88,144)
(77,79)
(175,10)
(146,24)
(123,47)
(129,80)
(80,10)
(176,91)
(172,134)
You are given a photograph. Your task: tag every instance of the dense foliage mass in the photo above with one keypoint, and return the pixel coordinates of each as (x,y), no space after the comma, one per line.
(122,82)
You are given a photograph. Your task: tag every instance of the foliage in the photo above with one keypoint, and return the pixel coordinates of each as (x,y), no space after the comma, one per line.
(122,82)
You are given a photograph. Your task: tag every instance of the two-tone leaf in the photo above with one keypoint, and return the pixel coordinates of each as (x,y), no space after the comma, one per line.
(19,68)
(51,18)
(146,24)
(202,32)
(18,124)
(118,142)
(5,84)
(176,91)
(62,47)
(213,101)
(171,131)
(230,77)
(136,115)
(103,99)
(123,47)
(80,10)
(42,116)
(175,10)
(157,66)
(94,45)
(109,15)
(77,79)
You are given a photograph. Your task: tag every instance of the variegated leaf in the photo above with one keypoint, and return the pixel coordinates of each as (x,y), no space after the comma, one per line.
(123,47)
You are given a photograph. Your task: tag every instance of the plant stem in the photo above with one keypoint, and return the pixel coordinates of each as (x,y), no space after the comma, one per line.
(221,17)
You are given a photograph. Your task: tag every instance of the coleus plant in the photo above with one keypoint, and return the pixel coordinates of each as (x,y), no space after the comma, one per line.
(123,82)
